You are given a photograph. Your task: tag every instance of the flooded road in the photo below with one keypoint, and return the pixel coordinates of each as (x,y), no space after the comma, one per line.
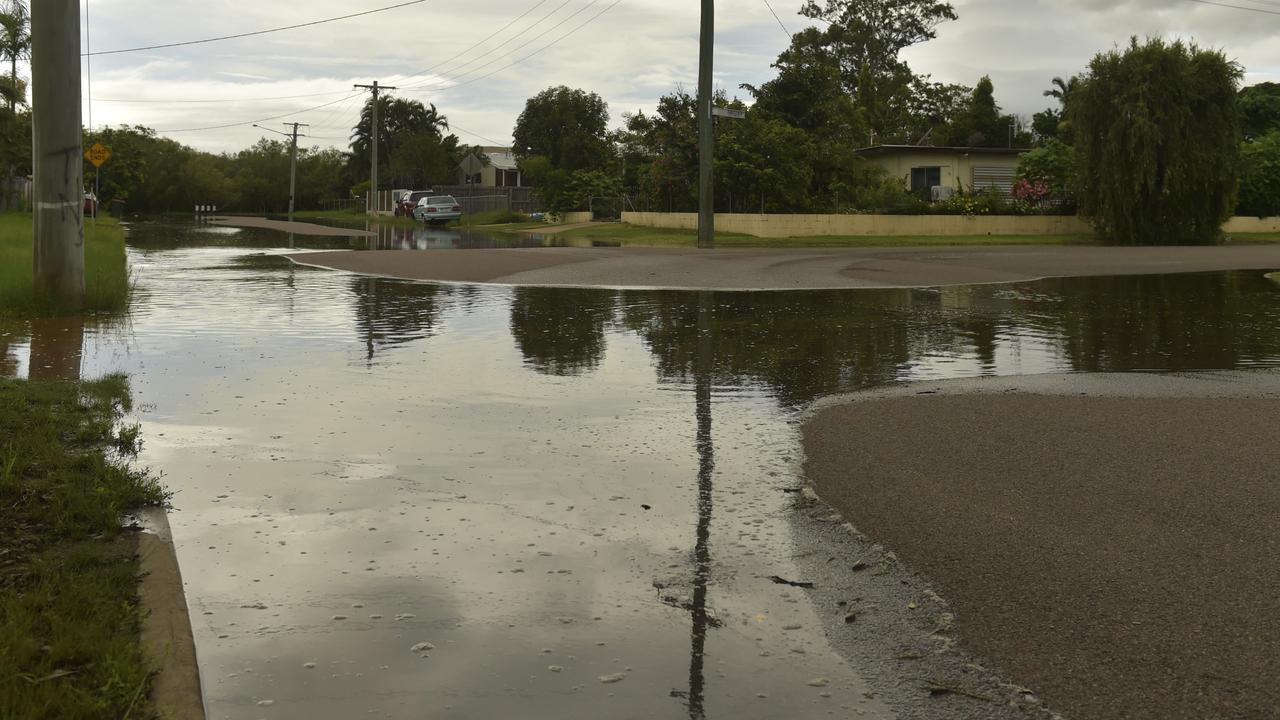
(409,500)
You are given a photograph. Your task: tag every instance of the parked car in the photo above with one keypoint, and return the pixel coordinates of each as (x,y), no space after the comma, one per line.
(437,209)
(408,202)
(90,204)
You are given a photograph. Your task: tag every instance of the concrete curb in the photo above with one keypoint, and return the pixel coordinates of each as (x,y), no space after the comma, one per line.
(167,639)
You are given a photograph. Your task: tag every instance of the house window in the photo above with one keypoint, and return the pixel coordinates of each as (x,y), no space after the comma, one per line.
(923,178)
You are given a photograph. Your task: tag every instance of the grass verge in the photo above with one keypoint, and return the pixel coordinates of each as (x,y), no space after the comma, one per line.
(69,619)
(1274,276)
(106,273)
(663,237)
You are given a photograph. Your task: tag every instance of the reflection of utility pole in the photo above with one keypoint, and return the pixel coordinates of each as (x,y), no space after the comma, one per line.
(56,153)
(293,159)
(373,133)
(706,130)
(704,368)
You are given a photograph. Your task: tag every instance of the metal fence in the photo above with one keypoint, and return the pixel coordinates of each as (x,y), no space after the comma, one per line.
(15,193)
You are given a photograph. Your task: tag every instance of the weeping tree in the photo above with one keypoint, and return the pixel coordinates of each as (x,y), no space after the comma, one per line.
(1157,130)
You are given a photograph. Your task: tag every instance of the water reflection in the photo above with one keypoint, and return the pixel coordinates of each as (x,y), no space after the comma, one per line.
(434,237)
(705,365)
(390,313)
(57,347)
(561,331)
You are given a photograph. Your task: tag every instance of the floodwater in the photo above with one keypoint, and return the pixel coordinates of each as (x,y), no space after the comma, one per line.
(409,500)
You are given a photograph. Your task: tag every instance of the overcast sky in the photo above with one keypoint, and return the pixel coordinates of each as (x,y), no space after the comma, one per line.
(631,54)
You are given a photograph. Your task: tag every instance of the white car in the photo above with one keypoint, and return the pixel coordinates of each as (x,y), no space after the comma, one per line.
(437,209)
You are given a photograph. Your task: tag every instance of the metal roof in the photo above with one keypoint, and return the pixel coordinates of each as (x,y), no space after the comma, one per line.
(501,159)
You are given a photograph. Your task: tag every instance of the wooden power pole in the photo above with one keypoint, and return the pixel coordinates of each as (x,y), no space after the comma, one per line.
(706,130)
(293,164)
(373,132)
(58,195)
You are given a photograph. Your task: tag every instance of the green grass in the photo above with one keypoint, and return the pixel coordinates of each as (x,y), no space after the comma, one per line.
(69,619)
(1274,276)
(661,237)
(106,273)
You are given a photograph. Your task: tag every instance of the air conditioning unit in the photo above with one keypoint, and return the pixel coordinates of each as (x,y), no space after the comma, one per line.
(939,193)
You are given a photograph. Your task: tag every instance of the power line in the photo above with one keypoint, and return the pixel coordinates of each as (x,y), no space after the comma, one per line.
(517,19)
(259,32)
(535,52)
(541,20)
(251,122)
(775,17)
(1236,7)
(219,100)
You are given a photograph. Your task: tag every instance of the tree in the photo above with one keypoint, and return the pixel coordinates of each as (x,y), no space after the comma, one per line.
(872,33)
(399,120)
(980,124)
(1052,165)
(567,126)
(1259,109)
(15,45)
(764,165)
(1260,176)
(1157,128)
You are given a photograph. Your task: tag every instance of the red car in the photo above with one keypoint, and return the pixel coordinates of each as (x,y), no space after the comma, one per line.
(409,201)
(90,205)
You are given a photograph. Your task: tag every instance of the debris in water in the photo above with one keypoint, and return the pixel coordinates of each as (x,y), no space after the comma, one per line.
(405,616)
(610,679)
(254,606)
(791,627)
(266,703)
(936,689)
(555,668)
(819,682)
(565,620)
(859,566)
(646,507)
(308,665)
(339,617)
(792,583)
(850,617)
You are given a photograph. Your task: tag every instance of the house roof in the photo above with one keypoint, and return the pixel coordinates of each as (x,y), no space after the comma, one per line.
(941,150)
(501,160)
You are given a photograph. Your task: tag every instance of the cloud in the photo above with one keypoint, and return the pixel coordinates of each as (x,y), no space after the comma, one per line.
(631,55)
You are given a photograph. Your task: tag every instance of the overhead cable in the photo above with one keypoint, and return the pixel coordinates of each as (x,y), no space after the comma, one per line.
(259,32)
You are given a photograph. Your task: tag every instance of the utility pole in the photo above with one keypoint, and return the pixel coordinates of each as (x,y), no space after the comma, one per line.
(293,164)
(373,132)
(56,151)
(706,130)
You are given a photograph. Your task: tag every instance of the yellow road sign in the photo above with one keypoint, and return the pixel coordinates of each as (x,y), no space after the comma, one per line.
(97,154)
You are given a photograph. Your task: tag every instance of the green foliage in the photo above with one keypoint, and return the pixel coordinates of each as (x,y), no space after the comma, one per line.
(567,126)
(1259,109)
(1054,164)
(1158,134)
(1260,176)
(401,122)
(763,166)
(68,588)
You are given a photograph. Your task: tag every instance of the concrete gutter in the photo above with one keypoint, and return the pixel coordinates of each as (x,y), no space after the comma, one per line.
(167,639)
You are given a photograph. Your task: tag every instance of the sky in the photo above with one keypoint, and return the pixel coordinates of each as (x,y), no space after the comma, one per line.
(479,61)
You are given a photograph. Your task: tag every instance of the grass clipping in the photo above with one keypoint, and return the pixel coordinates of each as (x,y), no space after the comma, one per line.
(69,615)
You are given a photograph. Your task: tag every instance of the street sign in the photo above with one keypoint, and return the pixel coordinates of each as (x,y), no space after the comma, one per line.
(729,113)
(97,154)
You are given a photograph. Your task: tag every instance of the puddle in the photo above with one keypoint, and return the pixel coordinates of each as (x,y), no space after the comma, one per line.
(575,498)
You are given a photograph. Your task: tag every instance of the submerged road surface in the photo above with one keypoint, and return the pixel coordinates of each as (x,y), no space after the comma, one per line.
(405,500)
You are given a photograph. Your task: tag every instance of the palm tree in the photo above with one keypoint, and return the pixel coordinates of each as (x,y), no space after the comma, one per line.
(15,43)
(1062,89)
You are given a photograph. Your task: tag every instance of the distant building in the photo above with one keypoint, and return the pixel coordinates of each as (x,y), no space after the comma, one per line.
(952,169)
(500,170)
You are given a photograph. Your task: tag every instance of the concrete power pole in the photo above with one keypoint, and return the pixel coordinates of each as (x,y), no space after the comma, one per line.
(56,149)
(706,130)
(293,164)
(373,132)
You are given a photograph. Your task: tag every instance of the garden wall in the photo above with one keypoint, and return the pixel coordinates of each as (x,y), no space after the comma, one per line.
(802,225)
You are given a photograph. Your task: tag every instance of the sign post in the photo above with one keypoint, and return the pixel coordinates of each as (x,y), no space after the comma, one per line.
(97,154)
